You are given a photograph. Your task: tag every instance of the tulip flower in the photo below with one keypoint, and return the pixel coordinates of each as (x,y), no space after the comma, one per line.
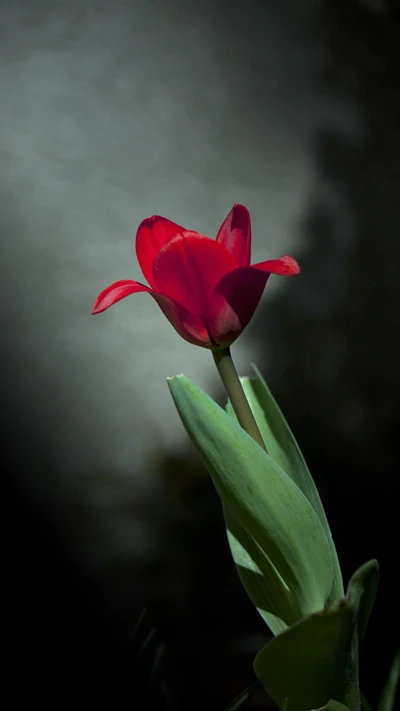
(276,526)
(206,288)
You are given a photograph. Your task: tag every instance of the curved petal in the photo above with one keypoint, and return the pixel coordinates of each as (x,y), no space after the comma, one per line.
(235,235)
(187,269)
(285,266)
(237,294)
(114,293)
(189,326)
(153,233)
(234,302)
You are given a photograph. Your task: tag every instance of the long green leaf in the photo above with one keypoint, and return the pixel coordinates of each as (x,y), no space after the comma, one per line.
(362,588)
(388,697)
(283,448)
(262,498)
(241,699)
(260,578)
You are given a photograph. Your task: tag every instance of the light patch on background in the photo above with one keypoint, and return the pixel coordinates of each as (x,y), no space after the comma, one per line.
(111,113)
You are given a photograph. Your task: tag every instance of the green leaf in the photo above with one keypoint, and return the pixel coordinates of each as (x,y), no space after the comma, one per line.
(333,705)
(260,499)
(259,577)
(307,663)
(245,695)
(388,697)
(317,659)
(364,703)
(362,588)
(283,448)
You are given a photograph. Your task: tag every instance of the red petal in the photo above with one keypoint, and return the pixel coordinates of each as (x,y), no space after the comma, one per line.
(234,302)
(115,293)
(189,326)
(235,235)
(237,294)
(153,233)
(188,268)
(285,266)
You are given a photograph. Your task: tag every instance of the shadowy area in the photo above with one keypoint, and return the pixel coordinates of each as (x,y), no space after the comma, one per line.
(335,371)
(62,637)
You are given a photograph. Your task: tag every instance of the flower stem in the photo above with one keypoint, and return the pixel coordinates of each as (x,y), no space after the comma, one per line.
(233,386)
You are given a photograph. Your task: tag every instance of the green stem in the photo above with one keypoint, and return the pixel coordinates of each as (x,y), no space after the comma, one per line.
(233,386)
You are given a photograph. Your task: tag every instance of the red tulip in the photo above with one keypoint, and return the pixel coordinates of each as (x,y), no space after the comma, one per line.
(206,289)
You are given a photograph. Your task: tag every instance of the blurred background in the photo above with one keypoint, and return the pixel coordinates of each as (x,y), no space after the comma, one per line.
(112,112)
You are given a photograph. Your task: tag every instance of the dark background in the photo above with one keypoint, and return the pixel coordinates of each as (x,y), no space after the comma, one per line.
(68,623)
